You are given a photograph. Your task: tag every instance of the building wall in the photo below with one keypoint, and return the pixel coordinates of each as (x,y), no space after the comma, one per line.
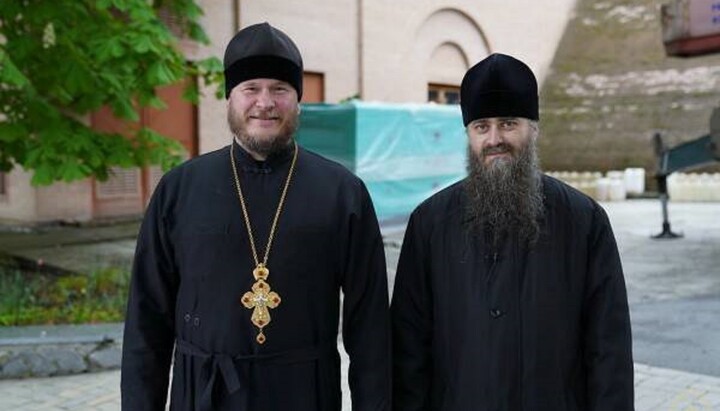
(65,201)
(324,30)
(60,201)
(381,50)
(387,50)
(397,61)
(219,23)
(20,201)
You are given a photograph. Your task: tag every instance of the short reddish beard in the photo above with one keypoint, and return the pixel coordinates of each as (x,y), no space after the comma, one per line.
(264,147)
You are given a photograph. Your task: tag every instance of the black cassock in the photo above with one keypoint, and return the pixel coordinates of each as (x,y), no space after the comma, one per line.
(193,263)
(508,328)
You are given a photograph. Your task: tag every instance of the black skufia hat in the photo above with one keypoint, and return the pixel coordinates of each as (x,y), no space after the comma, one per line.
(499,86)
(262,51)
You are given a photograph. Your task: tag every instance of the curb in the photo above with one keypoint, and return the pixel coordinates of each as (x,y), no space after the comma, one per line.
(27,352)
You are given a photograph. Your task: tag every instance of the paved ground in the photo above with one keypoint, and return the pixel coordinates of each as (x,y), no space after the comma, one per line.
(673,285)
(79,249)
(656,389)
(674,292)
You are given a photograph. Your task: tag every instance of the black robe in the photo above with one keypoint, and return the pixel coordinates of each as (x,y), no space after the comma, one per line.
(193,263)
(508,328)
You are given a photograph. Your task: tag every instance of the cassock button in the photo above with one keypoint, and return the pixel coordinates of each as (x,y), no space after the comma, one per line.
(496,313)
(187,318)
(196,321)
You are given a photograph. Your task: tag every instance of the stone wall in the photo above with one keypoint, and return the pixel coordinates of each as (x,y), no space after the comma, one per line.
(45,360)
(611,87)
(44,351)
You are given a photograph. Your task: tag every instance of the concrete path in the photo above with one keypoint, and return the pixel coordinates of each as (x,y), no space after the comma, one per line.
(85,392)
(656,389)
(674,293)
(68,248)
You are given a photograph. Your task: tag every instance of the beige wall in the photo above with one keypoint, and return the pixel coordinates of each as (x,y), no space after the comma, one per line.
(219,25)
(65,201)
(399,63)
(530,30)
(20,202)
(324,30)
(388,50)
(60,201)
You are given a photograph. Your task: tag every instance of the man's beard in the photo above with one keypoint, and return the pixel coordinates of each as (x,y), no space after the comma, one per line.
(505,196)
(263,146)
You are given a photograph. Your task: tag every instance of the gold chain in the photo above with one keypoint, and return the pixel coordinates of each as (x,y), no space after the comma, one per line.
(261,298)
(277,212)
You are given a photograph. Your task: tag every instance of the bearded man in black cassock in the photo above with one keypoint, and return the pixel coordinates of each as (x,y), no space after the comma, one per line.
(509,292)
(242,257)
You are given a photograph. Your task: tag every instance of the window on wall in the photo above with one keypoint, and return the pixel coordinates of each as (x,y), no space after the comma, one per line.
(123,182)
(313,87)
(443,94)
(177,120)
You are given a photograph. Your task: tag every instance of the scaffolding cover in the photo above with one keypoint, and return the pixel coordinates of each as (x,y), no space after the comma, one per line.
(403,152)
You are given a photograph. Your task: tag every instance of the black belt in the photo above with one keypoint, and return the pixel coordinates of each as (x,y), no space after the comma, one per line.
(224,364)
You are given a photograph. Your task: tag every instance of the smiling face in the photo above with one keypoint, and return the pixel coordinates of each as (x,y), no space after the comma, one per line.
(263,115)
(499,139)
(504,187)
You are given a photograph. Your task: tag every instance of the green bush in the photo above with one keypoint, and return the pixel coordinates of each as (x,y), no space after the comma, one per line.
(32,298)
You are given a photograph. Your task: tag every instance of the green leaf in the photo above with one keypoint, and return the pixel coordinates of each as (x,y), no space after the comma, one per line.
(143,44)
(120,4)
(109,48)
(159,73)
(191,93)
(10,132)
(106,52)
(43,175)
(197,33)
(141,13)
(210,65)
(77,77)
(10,74)
(71,172)
(156,102)
(114,82)
(124,109)
(103,4)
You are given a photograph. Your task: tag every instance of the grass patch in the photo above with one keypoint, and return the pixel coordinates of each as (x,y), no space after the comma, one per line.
(39,299)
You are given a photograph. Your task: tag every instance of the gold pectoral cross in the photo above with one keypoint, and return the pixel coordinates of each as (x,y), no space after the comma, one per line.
(260,300)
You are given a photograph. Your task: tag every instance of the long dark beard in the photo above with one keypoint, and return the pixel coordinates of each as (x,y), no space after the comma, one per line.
(506,196)
(264,147)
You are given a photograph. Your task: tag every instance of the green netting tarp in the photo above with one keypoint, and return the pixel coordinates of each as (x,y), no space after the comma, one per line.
(403,152)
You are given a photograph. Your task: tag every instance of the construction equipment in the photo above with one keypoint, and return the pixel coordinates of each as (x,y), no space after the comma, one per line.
(695,153)
(689,28)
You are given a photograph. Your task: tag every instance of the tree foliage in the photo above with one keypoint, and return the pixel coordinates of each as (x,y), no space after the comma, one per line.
(62,60)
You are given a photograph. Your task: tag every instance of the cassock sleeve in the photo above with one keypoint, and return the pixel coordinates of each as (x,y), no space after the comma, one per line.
(608,341)
(366,333)
(149,324)
(411,315)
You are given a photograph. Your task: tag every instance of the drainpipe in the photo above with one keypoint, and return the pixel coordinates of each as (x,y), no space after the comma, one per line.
(360,35)
(236,16)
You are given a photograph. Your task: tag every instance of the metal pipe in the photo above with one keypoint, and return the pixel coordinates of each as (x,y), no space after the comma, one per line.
(236,16)
(360,35)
